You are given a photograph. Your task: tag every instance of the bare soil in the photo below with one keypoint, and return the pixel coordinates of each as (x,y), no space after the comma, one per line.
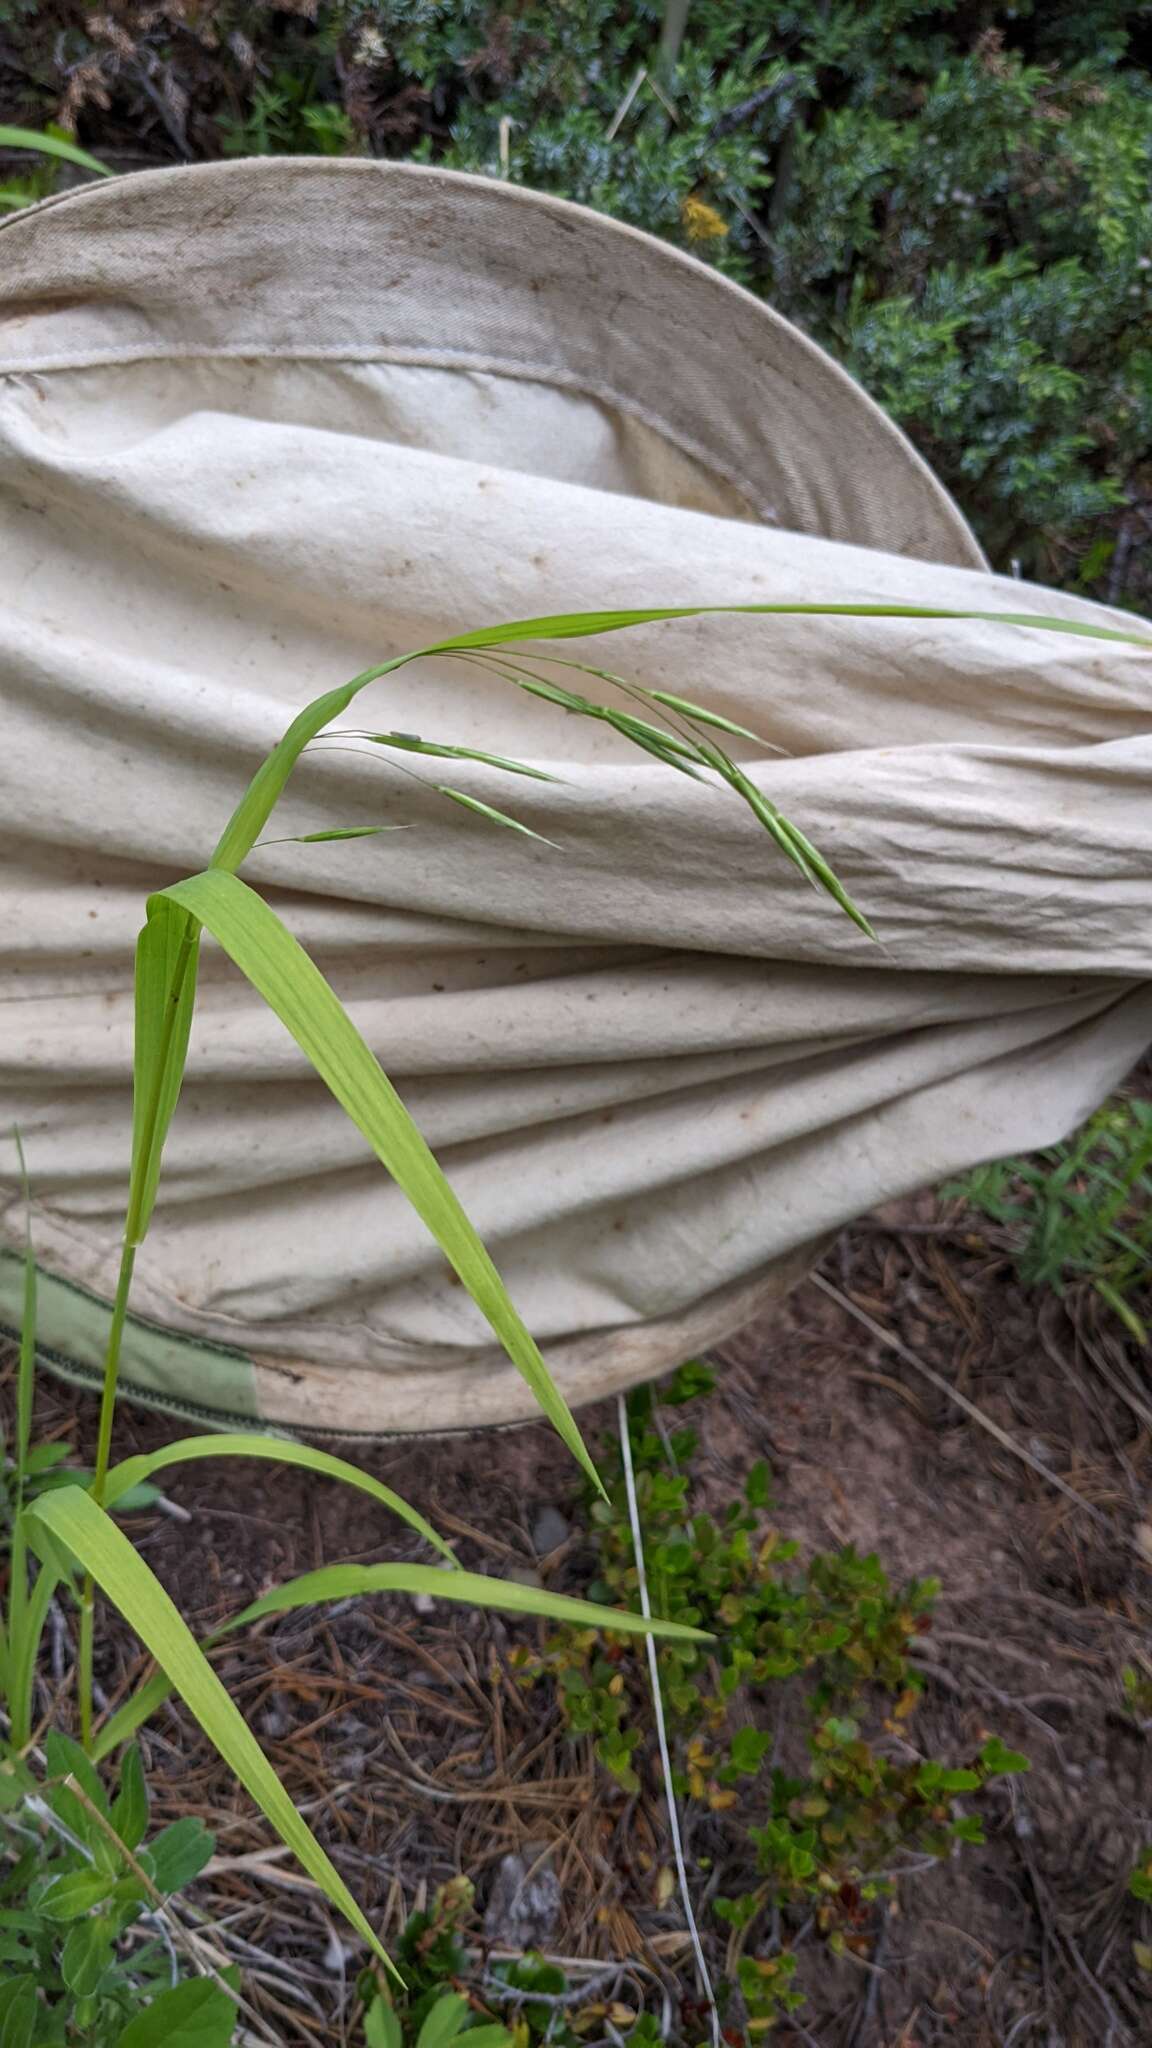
(416,1756)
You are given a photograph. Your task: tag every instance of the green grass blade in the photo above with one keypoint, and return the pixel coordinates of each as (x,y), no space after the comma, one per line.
(585,625)
(25,1385)
(166,962)
(335,832)
(259,799)
(136,1710)
(52,145)
(292,985)
(24,1648)
(494,817)
(267,785)
(344,1581)
(103,1550)
(189,1450)
(410,743)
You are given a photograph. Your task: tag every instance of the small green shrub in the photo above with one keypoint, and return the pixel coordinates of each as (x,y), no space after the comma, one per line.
(524,2002)
(1081,1211)
(818,1836)
(427,2008)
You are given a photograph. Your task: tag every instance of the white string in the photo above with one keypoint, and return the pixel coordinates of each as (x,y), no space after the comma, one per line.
(702,1973)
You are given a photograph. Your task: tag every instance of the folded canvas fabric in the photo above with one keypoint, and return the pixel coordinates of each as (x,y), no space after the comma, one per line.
(264,424)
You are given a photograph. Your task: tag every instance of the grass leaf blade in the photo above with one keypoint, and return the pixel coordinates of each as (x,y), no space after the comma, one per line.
(166,962)
(74,1519)
(280,1450)
(52,145)
(292,985)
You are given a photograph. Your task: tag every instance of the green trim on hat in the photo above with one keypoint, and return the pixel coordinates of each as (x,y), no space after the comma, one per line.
(162,1368)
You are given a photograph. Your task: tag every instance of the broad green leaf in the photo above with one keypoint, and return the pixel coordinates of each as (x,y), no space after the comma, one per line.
(103,1550)
(66,1758)
(292,985)
(410,743)
(43,1457)
(52,145)
(129,1814)
(178,1854)
(340,1581)
(18,2009)
(494,817)
(282,1451)
(166,959)
(382,2028)
(997,1758)
(444,2021)
(85,1956)
(74,1893)
(192,2015)
(67,1761)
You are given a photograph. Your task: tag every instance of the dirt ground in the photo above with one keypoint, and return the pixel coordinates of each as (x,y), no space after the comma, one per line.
(415,1756)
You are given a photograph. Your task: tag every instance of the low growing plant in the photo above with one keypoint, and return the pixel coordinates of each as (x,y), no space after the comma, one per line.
(826,1836)
(523,2002)
(56,148)
(1081,1211)
(86,1951)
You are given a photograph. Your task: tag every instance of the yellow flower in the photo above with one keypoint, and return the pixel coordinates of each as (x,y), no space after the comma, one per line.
(701,222)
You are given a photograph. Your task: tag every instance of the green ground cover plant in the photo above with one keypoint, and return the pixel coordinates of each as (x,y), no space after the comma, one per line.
(820,1835)
(1082,1212)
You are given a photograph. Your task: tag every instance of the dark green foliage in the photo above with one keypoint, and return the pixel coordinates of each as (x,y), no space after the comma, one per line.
(811,1831)
(429,2009)
(531,1995)
(84,1952)
(953,198)
(1082,1211)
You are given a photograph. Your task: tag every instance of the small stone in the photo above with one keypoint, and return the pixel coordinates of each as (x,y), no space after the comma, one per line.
(275,1721)
(337,1955)
(523,1575)
(549,1531)
(525,1903)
